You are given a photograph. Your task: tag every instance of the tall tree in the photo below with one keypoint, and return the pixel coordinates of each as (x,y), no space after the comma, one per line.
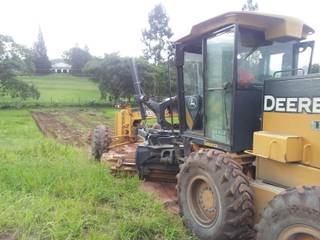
(250,6)
(41,60)
(15,59)
(113,74)
(156,36)
(77,58)
(115,80)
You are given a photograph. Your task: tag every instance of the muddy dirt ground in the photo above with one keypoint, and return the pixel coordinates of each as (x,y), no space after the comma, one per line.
(74,127)
(71,126)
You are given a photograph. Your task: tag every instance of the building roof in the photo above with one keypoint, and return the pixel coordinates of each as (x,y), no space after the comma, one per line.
(61,65)
(275,27)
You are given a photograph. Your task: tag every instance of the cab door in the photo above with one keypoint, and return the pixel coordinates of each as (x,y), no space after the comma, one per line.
(218,73)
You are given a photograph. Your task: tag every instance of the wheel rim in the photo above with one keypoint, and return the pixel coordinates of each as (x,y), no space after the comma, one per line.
(300,232)
(202,201)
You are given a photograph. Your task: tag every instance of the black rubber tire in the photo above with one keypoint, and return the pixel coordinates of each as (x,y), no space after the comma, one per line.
(294,207)
(236,210)
(100,142)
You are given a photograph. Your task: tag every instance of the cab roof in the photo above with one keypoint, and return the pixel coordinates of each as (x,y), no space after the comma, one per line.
(275,27)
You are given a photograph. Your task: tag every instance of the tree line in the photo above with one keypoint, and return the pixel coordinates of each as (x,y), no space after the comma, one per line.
(111,72)
(114,78)
(15,59)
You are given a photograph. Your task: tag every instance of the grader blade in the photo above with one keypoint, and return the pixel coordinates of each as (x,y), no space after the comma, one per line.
(122,162)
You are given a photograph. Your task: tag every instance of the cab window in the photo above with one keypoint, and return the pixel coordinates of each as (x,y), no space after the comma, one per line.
(259,60)
(193,87)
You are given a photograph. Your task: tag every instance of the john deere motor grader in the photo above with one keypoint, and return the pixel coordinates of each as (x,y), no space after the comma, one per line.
(248,147)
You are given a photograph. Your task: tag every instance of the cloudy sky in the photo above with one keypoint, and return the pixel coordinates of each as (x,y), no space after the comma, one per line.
(115,25)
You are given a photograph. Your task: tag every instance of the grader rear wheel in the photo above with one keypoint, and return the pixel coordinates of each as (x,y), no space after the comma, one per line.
(299,232)
(292,215)
(214,197)
(100,141)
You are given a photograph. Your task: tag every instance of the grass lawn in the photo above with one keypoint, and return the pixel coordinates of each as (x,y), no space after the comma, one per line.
(64,88)
(52,191)
(59,90)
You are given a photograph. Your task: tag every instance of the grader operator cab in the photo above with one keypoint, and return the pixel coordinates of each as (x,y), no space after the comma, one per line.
(248,148)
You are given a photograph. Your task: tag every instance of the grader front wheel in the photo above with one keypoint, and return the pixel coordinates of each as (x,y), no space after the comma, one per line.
(214,197)
(100,141)
(292,215)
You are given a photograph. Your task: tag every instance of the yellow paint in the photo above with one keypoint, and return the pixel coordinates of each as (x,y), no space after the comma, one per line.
(263,193)
(125,121)
(298,124)
(287,174)
(273,26)
(210,144)
(189,119)
(277,146)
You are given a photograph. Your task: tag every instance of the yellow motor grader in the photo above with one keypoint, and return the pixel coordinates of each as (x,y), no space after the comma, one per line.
(247,153)
(129,131)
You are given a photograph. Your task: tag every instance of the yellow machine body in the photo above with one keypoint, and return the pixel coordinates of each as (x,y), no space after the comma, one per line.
(274,26)
(301,125)
(289,138)
(125,120)
(287,154)
(278,146)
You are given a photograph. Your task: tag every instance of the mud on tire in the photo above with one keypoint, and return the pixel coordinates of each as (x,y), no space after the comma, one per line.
(100,142)
(293,214)
(215,199)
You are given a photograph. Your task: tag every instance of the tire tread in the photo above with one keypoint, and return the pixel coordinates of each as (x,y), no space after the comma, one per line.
(240,210)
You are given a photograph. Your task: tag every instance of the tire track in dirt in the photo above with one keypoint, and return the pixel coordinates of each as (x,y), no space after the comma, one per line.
(51,127)
(78,118)
(71,126)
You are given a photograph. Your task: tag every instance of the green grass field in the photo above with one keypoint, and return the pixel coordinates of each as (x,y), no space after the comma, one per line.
(59,90)
(52,191)
(64,88)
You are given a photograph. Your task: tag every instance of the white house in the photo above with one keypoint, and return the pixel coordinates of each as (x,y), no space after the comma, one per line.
(61,67)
